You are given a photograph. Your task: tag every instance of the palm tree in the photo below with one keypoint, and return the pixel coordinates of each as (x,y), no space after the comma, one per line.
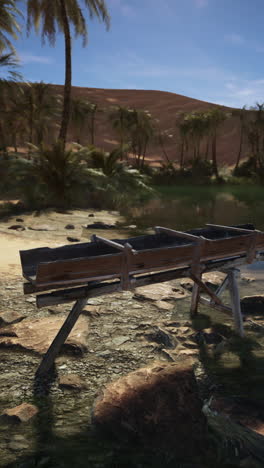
(215,118)
(61,15)
(8,24)
(141,131)
(8,86)
(83,113)
(241,114)
(121,119)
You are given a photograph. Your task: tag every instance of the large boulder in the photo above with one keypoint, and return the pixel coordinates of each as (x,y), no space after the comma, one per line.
(252,305)
(158,405)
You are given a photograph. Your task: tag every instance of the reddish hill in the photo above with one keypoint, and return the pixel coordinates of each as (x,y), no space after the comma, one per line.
(162,105)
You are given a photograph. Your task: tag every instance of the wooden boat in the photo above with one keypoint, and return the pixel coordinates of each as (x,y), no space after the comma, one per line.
(72,265)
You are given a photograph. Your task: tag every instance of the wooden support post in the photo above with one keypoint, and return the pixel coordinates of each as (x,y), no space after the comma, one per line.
(235,301)
(222,286)
(61,337)
(195,299)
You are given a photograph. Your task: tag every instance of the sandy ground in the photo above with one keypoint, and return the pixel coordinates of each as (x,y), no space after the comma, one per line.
(12,241)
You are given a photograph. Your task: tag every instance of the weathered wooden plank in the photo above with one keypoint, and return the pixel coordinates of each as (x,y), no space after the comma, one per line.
(205,288)
(230,228)
(172,232)
(83,269)
(62,335)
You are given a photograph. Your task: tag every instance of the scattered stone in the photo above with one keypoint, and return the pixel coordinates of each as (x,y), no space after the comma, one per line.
(91,311)
(72,381)
(167,355)
(186,283)
(37,334)
(213,279)
(19,220)
(190,344)
(119,340)
(247,278)
(156,405)
(21,413)
(188,352)
(31,300)
(10,316)
(159,292)
(73,239)
(17,227)
(161,337)
(69,226)
(100,225)
(104,354)
(163,305)
(208,336)
(42,227)
(253,304)
(91,215)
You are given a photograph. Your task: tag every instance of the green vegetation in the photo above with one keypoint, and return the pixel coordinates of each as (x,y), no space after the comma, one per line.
(37,168)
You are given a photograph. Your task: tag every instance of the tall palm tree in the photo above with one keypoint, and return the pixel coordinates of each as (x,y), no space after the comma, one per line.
(215,117)
(241,114)
(8,24)
(82,115)
(61,15)
(9,63)
(121,119)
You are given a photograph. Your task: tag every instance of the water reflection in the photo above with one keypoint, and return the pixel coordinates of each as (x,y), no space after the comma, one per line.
(188,207)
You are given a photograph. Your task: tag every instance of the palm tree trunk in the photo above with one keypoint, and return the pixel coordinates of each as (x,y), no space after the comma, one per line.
(240,149)
(215,168)
(68,76)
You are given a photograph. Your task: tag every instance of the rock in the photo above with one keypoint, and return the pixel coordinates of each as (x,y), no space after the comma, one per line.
(188,352)
(91,215)
(37,334)
(252,304)
(208,336)
(213,279)
(190,344)
(163,305)
(21,413)
(10,316)
(73,239)
(69,226)
(155,405)
(159,292)
(100,225)
(72,381)
(161,337)
(17,227)
(186,283)
(91,311)
(19,220)
(42,227)
(119,340)
(247,278)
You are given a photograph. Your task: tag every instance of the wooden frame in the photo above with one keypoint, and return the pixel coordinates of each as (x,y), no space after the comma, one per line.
(118,266)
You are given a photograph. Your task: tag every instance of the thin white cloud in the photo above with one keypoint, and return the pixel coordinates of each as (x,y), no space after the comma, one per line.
(201,3)
(235,39)
(27,58)
(124,8)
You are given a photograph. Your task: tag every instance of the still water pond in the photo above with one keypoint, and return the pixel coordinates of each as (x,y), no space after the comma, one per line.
(194,206)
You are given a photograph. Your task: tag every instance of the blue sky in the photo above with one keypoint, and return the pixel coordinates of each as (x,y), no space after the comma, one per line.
(211,50)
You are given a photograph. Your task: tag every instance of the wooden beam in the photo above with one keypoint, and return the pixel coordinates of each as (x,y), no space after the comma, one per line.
(231,228)
(172,232)
(206,289)
(111,243)
(50,356)
(221,307)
